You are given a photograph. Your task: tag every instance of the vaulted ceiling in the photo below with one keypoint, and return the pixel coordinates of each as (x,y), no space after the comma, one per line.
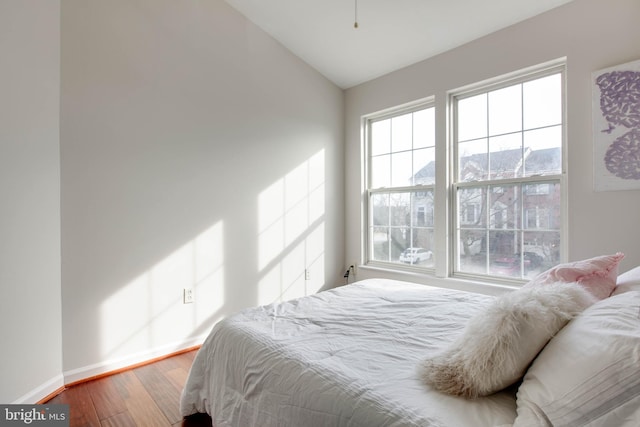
(391,34)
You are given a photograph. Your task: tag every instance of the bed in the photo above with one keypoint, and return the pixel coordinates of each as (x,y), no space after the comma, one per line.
(350,356)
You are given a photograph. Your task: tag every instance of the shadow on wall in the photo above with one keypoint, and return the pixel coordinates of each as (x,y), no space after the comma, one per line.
(148,311)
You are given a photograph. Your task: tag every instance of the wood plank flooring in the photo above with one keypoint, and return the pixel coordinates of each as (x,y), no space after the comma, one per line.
(147,396)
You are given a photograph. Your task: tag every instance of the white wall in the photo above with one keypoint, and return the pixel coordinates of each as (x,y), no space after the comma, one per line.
(592,34)
(196,152)
(30,307)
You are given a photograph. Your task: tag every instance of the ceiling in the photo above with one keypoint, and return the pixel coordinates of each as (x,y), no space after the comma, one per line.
(391,34)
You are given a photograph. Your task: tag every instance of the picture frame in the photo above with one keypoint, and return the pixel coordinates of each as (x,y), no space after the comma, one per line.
(616,127)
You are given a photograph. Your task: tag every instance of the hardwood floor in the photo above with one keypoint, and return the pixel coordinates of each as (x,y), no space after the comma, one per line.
(145,396)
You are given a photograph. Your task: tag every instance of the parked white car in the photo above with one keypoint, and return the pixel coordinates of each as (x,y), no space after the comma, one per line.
(415,255)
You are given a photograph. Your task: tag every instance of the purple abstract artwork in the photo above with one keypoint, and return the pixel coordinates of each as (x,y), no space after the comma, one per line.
(620,97)
(618,133)
(623,156)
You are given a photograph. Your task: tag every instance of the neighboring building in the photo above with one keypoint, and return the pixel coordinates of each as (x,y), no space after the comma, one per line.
(494,206)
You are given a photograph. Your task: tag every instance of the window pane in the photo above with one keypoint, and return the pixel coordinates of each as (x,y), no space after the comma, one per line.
(401,167)
(380,205)
(380,240)
(545,157)
(503,258)
(399,209)
(381,137)
(542,100)
(472,252)
(541,205)
(381,171)
(472,117)
(424,132)
(510,141)
(424,166)
(400,238)
(422,202)
(540,139)
(542,248)
(420,249)
(473,161)
(471,202)
(401,133)
(504,207)
(505,156)
(505,110)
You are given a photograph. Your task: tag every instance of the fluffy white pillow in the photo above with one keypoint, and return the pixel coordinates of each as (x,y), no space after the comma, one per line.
(498,344)
(588,373)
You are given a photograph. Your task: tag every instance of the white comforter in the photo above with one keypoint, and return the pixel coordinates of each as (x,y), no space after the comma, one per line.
(344,357)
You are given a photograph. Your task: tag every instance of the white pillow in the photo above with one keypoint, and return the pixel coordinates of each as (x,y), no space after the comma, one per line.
(628,281)
(588,374)
(499,343)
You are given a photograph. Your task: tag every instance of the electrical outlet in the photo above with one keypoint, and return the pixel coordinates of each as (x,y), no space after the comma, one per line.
(187,296)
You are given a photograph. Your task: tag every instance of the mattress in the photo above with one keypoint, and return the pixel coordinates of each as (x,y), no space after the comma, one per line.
(343,357)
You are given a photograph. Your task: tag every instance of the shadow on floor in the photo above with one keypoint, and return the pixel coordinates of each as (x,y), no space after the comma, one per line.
(197,420)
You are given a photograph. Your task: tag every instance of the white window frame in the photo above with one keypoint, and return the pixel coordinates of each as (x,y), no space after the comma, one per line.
(445,205)
(543,70)
(367,239)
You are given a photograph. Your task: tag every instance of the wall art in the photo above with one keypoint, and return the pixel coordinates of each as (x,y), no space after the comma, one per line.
(616,127)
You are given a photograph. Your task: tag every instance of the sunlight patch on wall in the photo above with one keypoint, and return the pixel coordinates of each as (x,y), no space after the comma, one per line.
(149,310)
(291,233)
(209,273)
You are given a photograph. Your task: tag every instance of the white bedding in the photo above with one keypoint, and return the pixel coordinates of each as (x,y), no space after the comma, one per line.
(344,357)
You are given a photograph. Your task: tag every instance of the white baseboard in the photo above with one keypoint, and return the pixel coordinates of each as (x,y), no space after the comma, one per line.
(41,391)
(74,375)
(83,373)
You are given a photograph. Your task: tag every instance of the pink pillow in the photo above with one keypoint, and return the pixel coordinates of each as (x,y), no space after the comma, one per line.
(598,275)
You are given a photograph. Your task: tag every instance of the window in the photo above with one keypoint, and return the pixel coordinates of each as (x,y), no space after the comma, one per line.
(500,206)
(401,182)
(508,140)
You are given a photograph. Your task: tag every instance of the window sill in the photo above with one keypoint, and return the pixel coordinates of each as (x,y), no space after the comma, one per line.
(463,284)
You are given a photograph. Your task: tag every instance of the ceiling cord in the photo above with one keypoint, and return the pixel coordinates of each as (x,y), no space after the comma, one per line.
(355,23)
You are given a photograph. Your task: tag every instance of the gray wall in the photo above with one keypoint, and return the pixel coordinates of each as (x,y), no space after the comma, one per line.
(592,34)
(150,146)
(30,307)
(196,152)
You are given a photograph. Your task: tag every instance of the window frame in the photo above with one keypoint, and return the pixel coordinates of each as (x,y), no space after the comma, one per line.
(445,210)
(497,83)
(367,238)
